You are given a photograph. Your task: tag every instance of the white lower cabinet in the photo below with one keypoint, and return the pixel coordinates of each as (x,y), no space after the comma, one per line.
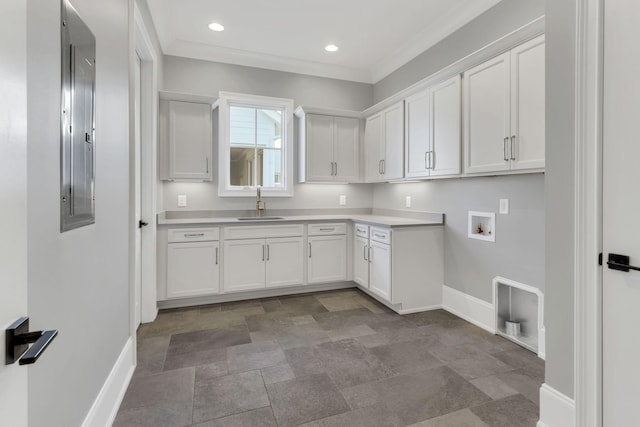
(380,269)
(262,263)
(193,265)
(327,253)
(284,262)
(403,267)
(361,261)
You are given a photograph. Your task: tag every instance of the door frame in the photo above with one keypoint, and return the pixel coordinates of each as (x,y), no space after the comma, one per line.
(143,47)
(588,226)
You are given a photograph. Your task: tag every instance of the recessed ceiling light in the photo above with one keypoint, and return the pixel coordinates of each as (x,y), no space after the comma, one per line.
(214,26)
(331,48)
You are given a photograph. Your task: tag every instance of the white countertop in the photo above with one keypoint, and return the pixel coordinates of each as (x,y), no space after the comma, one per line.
(385,221)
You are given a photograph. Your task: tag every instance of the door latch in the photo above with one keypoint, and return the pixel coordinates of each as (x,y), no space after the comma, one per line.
(18,339)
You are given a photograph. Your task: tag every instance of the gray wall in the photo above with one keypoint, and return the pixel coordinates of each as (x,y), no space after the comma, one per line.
(78,280)
(204,77)
(559,310)
(501,19)
(470,265)
(148,22)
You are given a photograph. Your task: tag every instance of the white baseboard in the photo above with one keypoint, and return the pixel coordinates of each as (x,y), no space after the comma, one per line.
(556,409)
(419,309)
(469,308)
(105,407)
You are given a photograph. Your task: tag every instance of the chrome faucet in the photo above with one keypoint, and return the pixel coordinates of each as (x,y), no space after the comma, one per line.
(261,206)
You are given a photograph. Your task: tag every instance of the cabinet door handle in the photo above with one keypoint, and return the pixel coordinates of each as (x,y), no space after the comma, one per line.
(331,168)
(207,163)
(513,139)
(384,167)
(328,229)
(262,252)
(432,160)
(194,235)
(426,163)
(216,256)
(365,252)
(309,249)
(267,252)
(504,149)
(369,254)
(380,167)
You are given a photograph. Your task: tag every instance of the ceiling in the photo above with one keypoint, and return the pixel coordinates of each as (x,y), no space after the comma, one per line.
(375,37)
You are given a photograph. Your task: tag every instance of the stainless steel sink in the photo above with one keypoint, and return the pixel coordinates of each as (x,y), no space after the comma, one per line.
(260,218)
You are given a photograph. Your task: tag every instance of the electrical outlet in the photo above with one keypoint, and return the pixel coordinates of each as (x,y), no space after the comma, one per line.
(504,206)
(343,200)
(182,200)
(407,201)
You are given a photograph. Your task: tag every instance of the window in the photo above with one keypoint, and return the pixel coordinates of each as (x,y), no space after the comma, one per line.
(255,145)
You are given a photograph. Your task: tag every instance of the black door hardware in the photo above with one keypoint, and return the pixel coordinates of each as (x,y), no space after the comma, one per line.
(620,263)
(141,224)
(18,339)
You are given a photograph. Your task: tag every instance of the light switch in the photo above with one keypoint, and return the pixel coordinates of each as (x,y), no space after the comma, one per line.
(504,206)
(182,200)
(407,201)
(343,200)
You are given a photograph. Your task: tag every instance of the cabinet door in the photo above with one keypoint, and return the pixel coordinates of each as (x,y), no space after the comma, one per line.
(327,259)
(380,271)
(486,118)
(446,107)
(319,147)
(393,160)
(244,264)
(190,140)
(346,148)
(373,140)
(193,269)
(417,135)
(361,261)
(527,105)
(284,262)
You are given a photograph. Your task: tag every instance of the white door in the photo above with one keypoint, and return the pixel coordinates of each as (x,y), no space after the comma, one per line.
(526,142)
(137,222)
(446,105)
(13,194)
(486,116)
(285,258)
(380,271)
(193,269)
(346,148)
(361,261)
(417,132)
(327,259)
(621,207)
(372,142)
(393,154)
(319,140)
(244,264)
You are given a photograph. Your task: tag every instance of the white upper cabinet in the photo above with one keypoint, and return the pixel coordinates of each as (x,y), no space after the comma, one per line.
(504,111)
(432,131)
(329,148)
(527,105)
(186,140)
(384,145)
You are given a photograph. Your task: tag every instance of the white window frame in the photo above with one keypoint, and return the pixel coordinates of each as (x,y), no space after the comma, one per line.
(225,100)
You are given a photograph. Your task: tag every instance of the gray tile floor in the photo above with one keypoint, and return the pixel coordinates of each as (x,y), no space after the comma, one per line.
(333,358)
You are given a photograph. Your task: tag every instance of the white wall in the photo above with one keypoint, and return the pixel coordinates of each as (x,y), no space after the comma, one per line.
(470,265)
(204,77)
(78,280)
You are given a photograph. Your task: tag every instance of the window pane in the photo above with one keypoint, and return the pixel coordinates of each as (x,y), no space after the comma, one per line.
(243,126)
(269,124)
(271,168)
(241,167)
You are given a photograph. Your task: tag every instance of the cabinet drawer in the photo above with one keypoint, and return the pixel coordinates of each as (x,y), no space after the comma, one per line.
(262,231)
(194,235)
(381,235)
(361,230)
(327,229)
